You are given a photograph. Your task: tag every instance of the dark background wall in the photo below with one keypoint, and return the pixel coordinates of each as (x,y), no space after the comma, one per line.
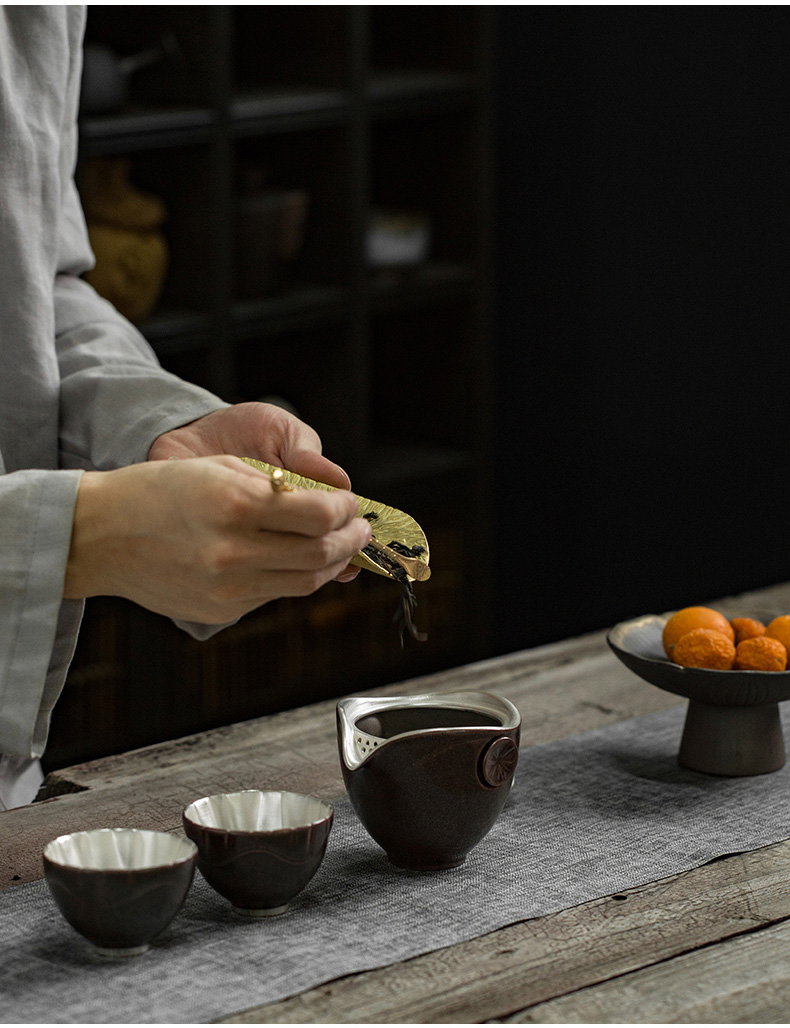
(641,316)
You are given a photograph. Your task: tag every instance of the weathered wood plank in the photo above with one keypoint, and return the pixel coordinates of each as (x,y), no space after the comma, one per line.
(525,964)
(560,690)
(535,680)
(488,674)
(742,981)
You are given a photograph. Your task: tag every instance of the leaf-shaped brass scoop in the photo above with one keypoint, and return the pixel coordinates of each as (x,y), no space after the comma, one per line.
(398,548)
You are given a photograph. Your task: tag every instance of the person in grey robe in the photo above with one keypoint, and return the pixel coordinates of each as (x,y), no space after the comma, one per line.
(90,504)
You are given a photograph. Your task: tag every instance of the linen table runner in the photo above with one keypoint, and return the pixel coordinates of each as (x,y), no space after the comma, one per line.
(589,816)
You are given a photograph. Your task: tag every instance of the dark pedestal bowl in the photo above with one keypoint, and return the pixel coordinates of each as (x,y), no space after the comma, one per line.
(732,724)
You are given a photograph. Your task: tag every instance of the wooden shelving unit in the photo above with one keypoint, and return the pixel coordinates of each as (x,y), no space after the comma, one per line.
(361,108)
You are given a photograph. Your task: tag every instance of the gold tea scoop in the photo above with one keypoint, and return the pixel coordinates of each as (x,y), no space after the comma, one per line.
(398,544)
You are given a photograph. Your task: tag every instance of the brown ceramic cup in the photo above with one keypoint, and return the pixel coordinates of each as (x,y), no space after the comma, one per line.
(259,849)
(428,775)
(119,887)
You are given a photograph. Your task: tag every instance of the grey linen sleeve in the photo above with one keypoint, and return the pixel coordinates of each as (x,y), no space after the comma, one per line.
(115,398)
(38,628)
(81,388)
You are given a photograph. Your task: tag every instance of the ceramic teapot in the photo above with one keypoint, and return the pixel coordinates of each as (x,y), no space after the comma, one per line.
(428,775)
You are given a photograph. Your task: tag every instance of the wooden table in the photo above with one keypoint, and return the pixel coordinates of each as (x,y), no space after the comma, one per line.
(709,945)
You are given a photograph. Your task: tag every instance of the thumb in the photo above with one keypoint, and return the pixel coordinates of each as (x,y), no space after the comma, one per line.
(321,469)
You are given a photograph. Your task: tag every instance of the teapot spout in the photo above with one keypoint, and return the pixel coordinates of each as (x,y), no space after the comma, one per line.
(357,745)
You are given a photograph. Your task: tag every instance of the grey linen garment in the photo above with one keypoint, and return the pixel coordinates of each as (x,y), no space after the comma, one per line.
(80,389)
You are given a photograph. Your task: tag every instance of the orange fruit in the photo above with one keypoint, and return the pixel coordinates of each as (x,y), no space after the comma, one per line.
(704,647)
(779,629)
(689,618)
(746,628)
(761,653)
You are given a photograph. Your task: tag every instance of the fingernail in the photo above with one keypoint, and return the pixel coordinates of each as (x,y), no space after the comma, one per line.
(347,576)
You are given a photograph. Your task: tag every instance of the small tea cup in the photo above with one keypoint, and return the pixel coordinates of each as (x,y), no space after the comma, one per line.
(119,887)
(259,849)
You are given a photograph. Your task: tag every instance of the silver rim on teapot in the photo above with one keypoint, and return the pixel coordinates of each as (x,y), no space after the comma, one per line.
(358,745)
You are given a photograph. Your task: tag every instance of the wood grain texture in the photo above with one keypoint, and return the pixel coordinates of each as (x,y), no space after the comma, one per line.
(740,981)
(560,689)
(524,964)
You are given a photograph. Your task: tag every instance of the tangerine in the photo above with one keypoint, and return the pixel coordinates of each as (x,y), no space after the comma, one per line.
(704,647)
(746,628)
(779,629)
(760,653)
(689,618)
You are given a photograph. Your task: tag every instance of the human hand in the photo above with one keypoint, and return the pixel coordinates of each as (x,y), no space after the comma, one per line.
(259,430)
(206,539)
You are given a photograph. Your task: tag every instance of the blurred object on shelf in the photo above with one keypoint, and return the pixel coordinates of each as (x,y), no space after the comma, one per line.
(110,198)
(130,269)
(397,239)
(105,75)
(124,225)
(270,227)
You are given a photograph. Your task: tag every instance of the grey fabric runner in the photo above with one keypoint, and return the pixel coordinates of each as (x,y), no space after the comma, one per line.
(590,815)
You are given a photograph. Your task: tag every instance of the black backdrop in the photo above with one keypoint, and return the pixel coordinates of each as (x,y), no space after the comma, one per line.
(643,358)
